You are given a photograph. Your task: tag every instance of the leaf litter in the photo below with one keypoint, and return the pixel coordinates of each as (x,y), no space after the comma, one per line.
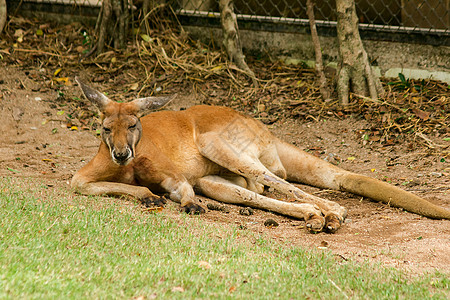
(166,60)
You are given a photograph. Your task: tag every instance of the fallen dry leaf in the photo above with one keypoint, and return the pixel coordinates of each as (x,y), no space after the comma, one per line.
(204,265)
(134,86)
(178,289)
(154,209)
(421,114)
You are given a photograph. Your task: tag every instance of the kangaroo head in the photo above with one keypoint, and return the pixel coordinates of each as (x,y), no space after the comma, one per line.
(121,127)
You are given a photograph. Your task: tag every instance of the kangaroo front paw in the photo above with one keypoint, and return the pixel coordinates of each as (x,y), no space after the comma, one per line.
(154,201)
(192,208)
(332,222)
(314,223)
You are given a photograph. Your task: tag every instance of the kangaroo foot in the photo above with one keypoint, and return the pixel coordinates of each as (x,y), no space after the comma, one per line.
(332,222)
(314,223)
(154,201)
(192,208)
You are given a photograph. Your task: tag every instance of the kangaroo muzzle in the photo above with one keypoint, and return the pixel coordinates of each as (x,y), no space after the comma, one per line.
(122,157)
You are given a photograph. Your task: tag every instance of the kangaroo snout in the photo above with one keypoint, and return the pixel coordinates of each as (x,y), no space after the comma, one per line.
(122,157)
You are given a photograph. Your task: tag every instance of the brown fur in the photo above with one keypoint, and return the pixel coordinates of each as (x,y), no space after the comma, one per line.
(224,155)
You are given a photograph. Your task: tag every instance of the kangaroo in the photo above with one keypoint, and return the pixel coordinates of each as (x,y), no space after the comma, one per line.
(224,155)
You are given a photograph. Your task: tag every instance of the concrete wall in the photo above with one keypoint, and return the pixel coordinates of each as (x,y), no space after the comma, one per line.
(413,60)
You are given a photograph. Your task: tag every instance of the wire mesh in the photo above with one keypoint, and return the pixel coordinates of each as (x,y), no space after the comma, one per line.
(394,15)
(381,14)
(92,3)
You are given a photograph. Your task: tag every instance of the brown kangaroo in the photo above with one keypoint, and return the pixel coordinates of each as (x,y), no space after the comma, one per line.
(223,155)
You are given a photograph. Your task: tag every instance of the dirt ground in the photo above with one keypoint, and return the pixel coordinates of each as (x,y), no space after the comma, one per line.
(35,141)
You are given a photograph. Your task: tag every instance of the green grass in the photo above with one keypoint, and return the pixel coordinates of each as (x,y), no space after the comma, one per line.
(54,244)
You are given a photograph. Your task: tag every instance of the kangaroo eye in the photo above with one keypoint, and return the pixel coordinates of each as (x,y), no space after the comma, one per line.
(132,126)
(106,130)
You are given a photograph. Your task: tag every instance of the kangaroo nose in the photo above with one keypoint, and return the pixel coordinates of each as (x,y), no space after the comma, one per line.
(121,156)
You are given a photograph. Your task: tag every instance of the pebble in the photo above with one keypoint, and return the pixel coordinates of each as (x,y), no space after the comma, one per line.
(270,223)
(436,174)
(217,207)
(246,211)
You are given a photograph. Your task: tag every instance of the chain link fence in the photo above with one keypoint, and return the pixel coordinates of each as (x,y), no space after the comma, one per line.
(403,14)
(427,17)
(93,3)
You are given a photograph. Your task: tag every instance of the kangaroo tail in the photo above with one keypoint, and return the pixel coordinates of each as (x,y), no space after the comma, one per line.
(389,194)
(305,168)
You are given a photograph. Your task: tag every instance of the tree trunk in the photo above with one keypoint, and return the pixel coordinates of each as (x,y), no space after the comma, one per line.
(231,38)
(3,14)
(318,51)
(354,72)
(112,24)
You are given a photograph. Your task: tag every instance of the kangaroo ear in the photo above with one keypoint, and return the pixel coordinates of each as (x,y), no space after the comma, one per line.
(96,97)
(146,105)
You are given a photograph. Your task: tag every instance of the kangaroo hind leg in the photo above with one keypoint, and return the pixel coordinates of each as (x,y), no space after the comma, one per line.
(226,191)
(246,164)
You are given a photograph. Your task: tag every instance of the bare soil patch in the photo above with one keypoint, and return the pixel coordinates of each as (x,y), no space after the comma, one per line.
(36,141)
(48,132)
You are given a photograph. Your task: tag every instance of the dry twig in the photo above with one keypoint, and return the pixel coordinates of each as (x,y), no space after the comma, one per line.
(324,90)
